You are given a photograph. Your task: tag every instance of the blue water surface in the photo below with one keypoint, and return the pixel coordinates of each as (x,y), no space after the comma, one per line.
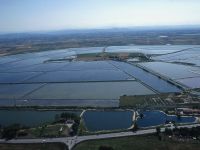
(154,118)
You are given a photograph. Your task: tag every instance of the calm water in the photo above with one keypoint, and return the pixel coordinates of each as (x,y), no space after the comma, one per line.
(191,82)
(16,91)
(80,76)
(174,71)
(32,67)
(107,120)
(28,118)
(58,102)
(188,56)
(70,94)
(147,78)
(89,91)
(90,65)
(16,77)
(154,118)
(152,49)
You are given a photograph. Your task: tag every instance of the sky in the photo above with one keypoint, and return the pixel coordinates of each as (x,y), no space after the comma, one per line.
(43,15)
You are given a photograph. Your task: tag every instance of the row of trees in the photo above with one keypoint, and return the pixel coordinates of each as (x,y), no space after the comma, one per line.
(14,130)
(184,132)
(63,117)
(10,132)
(179,132)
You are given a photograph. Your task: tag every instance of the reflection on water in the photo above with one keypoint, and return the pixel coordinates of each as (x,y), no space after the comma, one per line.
(154,118)
(107,120)
(28,118)
(147,78)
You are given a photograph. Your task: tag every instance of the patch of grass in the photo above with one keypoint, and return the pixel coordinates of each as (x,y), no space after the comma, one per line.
(82,129)
(54,130)
(149,142)
(139,100)
(89,55)
(49,131)
(132,101)
(39,146)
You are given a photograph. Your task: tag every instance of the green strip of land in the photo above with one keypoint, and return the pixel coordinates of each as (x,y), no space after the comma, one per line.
(149,142)
(39,146)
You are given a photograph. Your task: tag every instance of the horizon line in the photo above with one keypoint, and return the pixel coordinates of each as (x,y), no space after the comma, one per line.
(102,28)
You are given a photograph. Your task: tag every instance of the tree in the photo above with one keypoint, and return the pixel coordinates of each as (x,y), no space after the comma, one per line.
(69,116)
(75,128)
(178,116)
(158,130)
(135,127)
(184,131)
(22,133)
(168,131)
(141,115)
(41,130)
(57,117)
(176,131)
(194,132)
(10,132)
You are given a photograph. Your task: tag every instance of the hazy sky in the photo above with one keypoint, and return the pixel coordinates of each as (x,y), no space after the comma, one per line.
(34,15)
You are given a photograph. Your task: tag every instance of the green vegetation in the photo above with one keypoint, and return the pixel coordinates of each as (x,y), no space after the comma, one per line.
(39,146)
(184,132)
(135,127)
(158,130)
(70,116)
(82,129)
(120,56)
(105,148)
(12,131)
(143,101)
(133,101)
(149,142)
(49,131)
(58,128)
(89,55)
(16,131)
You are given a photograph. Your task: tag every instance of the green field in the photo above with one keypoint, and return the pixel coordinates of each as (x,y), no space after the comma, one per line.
(137,143)
(50,146)
(141,100)
(49,131)
(133,101)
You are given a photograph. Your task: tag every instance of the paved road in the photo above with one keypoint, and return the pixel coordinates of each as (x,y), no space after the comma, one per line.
(72,141)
